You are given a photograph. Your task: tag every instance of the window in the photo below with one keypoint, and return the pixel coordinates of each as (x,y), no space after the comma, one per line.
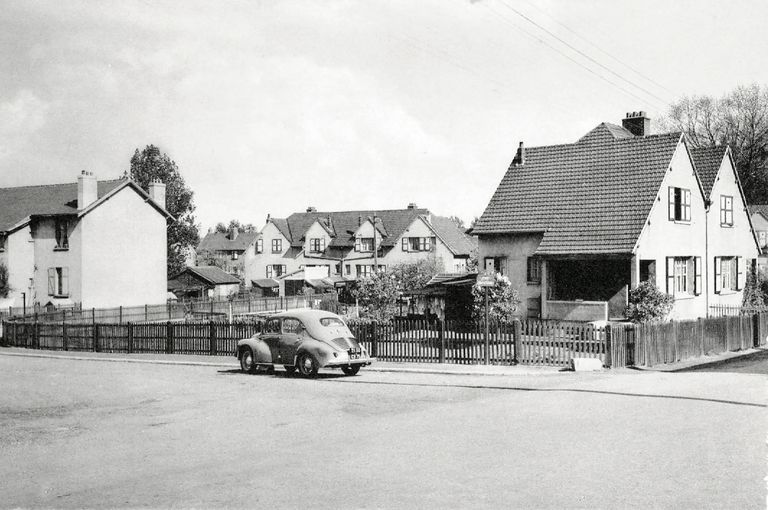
(272,326)
(291,325)
(497,264)
(275,270)
(58,281)
(348,269)
(277,245)
(726,211)
(332,322)
(363,270)
(364,244)
(648,271)
(534,270)
(684,276)
(679,204)
(418,243)
(62,235)
(2,242)
(317,245)
(259,245)
(405,244)
(730,274)
(760,236)
(235,255)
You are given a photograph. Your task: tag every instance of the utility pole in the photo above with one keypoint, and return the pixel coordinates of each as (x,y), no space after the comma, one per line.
(375,248)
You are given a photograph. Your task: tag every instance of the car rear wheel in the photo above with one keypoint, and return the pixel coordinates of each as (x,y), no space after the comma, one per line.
(308,367)
(350,369)
(247,363)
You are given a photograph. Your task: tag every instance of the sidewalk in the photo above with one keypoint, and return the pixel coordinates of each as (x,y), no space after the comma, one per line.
(231,362)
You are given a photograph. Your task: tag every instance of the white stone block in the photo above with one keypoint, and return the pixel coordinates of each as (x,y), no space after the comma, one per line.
(586,364)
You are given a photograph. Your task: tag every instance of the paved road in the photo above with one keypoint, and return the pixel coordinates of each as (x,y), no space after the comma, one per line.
(755,363)
(97,434)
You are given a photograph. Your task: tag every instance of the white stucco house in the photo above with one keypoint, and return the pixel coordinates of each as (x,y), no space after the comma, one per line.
(96,244)
(576,226)
(314,248)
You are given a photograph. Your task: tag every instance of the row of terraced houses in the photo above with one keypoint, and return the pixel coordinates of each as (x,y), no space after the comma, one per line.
(574,227)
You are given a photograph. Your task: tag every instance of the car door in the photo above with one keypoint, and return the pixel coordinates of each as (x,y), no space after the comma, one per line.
(290,340)
(271,337)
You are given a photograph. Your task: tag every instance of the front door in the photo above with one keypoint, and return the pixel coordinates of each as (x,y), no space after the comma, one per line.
(290,340)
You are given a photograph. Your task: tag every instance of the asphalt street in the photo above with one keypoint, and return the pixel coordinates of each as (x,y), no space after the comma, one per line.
(79,434)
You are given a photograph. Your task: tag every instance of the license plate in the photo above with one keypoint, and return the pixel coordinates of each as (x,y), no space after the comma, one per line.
(354,355)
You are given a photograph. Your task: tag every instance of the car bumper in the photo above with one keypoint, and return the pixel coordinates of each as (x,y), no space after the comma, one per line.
(345,362)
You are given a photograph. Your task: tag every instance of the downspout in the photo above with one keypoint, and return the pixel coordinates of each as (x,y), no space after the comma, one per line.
(707,205)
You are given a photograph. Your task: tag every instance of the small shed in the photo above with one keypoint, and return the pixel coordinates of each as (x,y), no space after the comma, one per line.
(203,282)
(265,287)
(447,296)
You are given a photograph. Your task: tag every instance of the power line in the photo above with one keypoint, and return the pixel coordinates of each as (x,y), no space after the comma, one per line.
(573,48)
(599,48)
(565,55)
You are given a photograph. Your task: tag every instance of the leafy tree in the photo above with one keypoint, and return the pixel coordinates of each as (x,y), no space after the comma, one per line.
(234,224)
(5,288)
(183,236)
(739,119)
(377,296)
(415,275)
(648,304)
(755,290)
(458,221)
(221,228)
(502,300)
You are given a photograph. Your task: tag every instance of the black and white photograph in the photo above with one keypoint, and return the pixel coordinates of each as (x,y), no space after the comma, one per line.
(383,254)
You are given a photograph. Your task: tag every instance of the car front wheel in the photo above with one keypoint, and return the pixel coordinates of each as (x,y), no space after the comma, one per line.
(308,367)
(350,369)
(247,364)
(290,369)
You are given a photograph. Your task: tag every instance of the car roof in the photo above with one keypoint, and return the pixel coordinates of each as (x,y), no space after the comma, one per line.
(305,314)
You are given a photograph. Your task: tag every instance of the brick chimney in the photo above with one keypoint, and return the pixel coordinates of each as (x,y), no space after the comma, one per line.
(637,123)
(519,158)
(86,189)
(157,192)
(311,209)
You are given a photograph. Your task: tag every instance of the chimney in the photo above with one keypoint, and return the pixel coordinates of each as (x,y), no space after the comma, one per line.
(519,158)
(359,220)
(86,189)
(269,216)
(157,192)
(311,209)
(233,233)
(637,123)
(412,205)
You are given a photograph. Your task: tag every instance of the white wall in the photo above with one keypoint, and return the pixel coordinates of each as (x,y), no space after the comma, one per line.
(47,256)
(663,238)
(256,264)
(123,243)
(20,259)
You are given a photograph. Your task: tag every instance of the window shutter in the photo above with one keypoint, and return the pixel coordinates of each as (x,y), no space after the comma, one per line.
(259,245)
(405,244)
(671,275)
(697,275)
(740,273)
(718,278)
(722,210)
(671,203)
(687,202)
(322,244)
(65,281)
(282,269)
(269,271)
(51,281)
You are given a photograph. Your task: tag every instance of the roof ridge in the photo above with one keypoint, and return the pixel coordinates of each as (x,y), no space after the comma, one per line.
(71,183)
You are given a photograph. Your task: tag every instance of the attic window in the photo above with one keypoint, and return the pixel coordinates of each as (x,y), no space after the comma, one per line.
(317,245)
(62,235)
(726,211)
(679,204)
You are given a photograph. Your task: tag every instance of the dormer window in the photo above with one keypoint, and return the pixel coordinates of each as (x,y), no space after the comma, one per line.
(317,245)
(62,235)
(364,244)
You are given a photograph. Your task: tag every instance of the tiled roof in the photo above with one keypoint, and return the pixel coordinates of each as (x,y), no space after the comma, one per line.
(453,236)
(758,208)
(21,202)
(345,224)
(707,161)
(606,132)
(220,241)
(212,274)
(592,196)
(282,226)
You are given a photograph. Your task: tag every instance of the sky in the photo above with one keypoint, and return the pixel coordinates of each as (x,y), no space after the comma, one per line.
(271,107)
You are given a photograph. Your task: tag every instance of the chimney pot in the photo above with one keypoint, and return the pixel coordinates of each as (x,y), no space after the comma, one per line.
(311,209)
(412,205)
(87,190)
(157,192)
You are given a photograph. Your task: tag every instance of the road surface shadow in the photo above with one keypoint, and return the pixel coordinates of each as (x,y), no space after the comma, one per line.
(564,390)
(284,375)
(754,363)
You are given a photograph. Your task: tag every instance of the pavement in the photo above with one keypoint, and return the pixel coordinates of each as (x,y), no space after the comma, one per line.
(378,366)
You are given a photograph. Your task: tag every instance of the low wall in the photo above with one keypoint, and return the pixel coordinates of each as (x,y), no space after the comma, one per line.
(586,311)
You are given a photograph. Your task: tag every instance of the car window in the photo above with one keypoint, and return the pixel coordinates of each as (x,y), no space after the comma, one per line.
(273,326)
(291,325)
(331,322)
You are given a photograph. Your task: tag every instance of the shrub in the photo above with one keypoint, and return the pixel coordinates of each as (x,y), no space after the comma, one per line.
(755,291)
(5,288)
(502,300)
(648,304)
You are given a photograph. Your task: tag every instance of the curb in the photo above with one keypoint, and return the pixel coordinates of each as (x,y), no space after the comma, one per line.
(374,368)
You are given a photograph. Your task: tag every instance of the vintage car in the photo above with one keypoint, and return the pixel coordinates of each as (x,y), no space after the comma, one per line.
(307,340)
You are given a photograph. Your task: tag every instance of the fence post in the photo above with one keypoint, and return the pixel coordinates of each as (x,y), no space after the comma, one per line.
(93,314)
(121,315)
(374,339)
(169,337)
(608,350)
(212,337)
(442,340)
(130,337)
(755,330)
(96,347)
(36,335)
(64,340)
(168,306)
(517,339)
(146,312)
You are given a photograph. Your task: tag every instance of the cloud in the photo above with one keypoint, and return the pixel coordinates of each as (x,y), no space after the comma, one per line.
(20,117)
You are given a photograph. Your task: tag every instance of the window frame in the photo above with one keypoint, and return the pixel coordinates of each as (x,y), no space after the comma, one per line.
(277,245)
(679,204)
(58,281)
(61,234)
(259,246)
(726,210)
(533,266)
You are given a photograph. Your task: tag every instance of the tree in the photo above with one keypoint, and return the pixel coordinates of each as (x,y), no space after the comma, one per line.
(739,119)
(150,164)
(648,304)
(377,296)
(502,300)
(755,290)
(415,275)
(234,224)
(5,288)
(458,221)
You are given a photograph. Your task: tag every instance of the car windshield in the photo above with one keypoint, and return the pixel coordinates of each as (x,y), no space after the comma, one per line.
(331,322)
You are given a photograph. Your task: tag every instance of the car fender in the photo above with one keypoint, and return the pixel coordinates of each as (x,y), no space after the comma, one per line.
(260,349)
(321,351)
